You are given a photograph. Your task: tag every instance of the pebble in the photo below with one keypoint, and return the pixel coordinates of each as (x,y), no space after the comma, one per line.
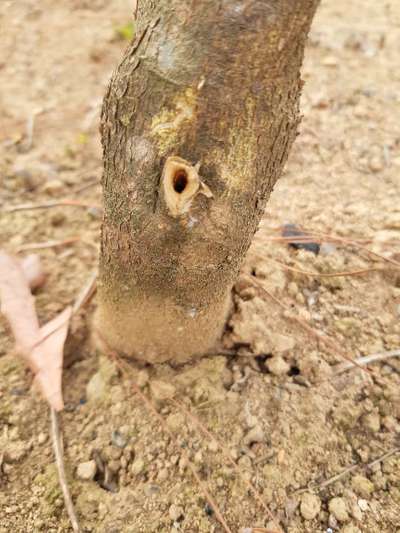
(86,471)
(277,366)
(338,507)
(363,504)
(175,512)
(42,437)
(119,438)
(58,219)
(362,486)
(256,434)
(53,187)
(137,467)
(310,506)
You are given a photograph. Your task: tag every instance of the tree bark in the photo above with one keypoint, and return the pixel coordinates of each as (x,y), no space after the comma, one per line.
(197,123)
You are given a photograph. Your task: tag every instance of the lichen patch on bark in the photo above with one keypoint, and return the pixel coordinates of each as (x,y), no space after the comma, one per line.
(167,126)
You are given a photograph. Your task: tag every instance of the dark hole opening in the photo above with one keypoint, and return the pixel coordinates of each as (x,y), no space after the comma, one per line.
(294,371)
(180,181)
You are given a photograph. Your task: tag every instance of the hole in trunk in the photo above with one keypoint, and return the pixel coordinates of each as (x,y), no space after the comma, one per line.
(180,181)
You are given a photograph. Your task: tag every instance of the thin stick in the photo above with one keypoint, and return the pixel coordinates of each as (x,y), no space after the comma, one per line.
(367,359)
(349,469)
(48,205)
(86,293)
(47,244)
(356,244)
(91,183)
(324,237)
(58,452)
(324,275)
(226,453)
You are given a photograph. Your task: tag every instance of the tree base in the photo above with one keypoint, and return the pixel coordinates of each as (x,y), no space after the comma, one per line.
(156,331)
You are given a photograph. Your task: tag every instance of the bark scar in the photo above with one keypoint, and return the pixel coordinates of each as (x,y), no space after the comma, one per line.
(181,183)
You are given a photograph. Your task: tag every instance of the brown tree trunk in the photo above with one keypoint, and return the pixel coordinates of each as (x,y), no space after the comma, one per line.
(196,126)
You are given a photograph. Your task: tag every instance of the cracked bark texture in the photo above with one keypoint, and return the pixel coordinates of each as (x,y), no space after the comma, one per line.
(217,84)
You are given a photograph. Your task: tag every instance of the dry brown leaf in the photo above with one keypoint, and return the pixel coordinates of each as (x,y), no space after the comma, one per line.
(42,348)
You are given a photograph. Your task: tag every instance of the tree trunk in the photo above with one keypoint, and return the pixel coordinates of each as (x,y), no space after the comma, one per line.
(197,123)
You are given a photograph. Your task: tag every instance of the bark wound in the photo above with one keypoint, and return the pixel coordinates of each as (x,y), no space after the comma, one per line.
(182,183)
(216,82)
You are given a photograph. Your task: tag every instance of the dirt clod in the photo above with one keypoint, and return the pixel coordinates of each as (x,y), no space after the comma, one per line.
(310,506)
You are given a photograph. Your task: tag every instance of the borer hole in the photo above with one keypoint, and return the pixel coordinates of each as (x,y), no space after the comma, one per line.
(180,180)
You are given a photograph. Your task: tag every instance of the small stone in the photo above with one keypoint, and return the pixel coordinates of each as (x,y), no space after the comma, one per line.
(376,164)
(330,61)
(119,438)
(338,507)
(372,422)
(175,512)
(277,366)
(161,390)
(137,467)
(362,486)
(53,187)
(256,434)
(42,437)
(86,471)
(327,249)
(363,504)
(310,506)
(58,219)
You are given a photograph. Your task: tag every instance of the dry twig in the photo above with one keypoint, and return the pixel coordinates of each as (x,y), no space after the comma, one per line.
(58,453)
(49,205)
(359,272)
(348,470)
(366,360)
(46,244)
